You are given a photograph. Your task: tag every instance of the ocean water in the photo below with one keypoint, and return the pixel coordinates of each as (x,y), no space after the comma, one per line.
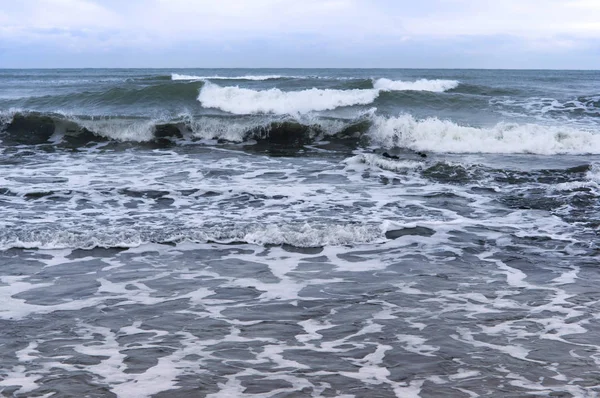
(299,233)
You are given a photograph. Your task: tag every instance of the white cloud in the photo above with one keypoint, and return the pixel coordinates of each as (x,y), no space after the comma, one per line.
(182,19)
(64,14)
(177,20)
(162,23)
(523,18)
(348,26)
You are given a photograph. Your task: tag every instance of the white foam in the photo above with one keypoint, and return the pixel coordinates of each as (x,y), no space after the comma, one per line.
(409,389)
(436,85)
(464,374)
(6,116)
(298,235)
(515,350)
(176,76)
(373,160)
(312,328)
(593,174)
(567,277)
(308,235)
(20,377)
(591,181)
(16,308)
(237,130)
(244,101)
(433,134)
(550,108)
(416,345)
(211,128)
(121,130)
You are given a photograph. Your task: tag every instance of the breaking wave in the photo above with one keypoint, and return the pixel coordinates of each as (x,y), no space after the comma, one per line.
(436,86)
(433,134)
(405,131)
(243,101)
(373,160)
(297,235)
(184,91)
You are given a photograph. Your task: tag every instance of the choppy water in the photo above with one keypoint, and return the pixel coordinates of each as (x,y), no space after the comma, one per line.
(271,233)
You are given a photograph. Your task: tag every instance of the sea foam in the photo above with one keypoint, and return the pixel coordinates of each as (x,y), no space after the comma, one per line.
(372,160)
(298,235)
(593,174)
(243,101)
(433,134)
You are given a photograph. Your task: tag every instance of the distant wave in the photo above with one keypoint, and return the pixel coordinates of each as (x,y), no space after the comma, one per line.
(436,86)
(243,101)
(176,76)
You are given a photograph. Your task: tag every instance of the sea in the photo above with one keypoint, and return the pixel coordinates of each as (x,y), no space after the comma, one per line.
(299,233)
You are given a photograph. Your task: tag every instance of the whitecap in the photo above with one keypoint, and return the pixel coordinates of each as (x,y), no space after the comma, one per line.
(176,76)
(377,161)
(243,101)
(436,85)
(433,134)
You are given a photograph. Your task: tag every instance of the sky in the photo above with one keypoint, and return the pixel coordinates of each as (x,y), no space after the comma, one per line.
(526,34)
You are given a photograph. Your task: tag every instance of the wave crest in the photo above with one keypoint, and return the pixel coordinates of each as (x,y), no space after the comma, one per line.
(436,86)
(405,131)
(244,101)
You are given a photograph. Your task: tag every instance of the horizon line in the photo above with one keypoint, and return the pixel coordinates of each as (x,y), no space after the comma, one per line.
(288,67)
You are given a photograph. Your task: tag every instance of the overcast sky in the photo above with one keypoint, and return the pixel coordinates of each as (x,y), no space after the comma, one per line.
(301,33)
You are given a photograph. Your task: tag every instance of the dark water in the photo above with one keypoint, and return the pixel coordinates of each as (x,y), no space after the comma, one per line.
(298,233)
